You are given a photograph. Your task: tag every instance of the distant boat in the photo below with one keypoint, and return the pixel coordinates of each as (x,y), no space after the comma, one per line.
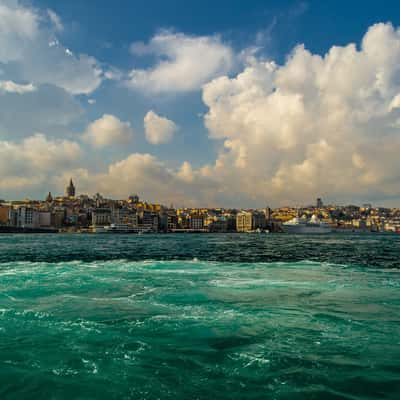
(119,228)
(303,225)
(114,228)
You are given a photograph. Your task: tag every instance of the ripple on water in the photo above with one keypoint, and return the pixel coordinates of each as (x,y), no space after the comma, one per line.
(232,317)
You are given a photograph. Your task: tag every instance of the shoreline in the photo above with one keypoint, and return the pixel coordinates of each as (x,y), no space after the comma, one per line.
(15,230)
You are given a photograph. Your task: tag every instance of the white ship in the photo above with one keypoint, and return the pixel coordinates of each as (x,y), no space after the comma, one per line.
(302,225)
(114,228)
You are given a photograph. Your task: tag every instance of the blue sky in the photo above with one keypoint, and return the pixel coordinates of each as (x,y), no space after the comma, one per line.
(97,69)
(318,24)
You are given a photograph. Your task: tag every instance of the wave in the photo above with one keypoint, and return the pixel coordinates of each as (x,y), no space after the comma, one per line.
(152,261)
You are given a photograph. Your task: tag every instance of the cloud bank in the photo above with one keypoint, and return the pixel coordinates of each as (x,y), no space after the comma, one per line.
(29,162)
(317,125)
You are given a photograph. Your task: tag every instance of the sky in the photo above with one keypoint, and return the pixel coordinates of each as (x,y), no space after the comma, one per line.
(201,103)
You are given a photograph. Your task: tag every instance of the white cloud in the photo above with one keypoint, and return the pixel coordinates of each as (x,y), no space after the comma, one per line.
(313,126)
(137,173)
(146,175)
(55,19)
(31,161)
(18,25)
(184,63)
(108,130)
(12,87)
(113,74)
(395,103)
(186,172)
(158,129)
(31,50)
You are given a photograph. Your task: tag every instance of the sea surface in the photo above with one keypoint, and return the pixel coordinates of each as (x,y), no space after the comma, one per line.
(224,316)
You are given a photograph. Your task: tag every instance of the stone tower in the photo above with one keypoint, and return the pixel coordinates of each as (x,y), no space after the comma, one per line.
(49,198)
(70,189)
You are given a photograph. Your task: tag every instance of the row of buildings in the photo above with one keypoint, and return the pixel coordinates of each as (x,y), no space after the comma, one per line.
(97,214)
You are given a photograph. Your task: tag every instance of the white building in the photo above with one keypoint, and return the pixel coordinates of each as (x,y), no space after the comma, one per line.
(196,222)
(24,217)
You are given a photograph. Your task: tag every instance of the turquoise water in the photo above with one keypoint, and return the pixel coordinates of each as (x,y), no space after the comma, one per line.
(199,317)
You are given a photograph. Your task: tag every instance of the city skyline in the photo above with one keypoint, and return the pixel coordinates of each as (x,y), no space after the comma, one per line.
(240,107)
(70,191)
(81,213)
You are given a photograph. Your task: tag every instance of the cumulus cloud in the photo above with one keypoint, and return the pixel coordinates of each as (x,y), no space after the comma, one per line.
(12,87)
(144,174)
(137,173)
(186,172)
(317,125)
(30,49)
(184,63)
(108,130)
(32,160)
(158,129)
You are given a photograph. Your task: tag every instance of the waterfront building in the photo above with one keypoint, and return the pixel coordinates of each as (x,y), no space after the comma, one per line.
(360,224)
(244,221)
(168,221)
(247,221)
(172,222)
(268,215)
(320,204)
(4,214)
(119,215)
(57,217)
(101,216)
(45,219)
(149,220)
(132,218)
(196,222)
(24,217)
(218,225)
(183,220)
(259,220)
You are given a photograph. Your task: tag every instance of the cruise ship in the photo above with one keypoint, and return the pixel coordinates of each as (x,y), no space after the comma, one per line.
(303,225)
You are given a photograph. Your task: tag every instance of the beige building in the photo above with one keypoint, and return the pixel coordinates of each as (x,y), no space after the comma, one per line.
(247,221)
(244,221)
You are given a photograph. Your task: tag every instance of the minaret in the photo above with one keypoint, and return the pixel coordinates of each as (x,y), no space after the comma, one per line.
(70,189)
